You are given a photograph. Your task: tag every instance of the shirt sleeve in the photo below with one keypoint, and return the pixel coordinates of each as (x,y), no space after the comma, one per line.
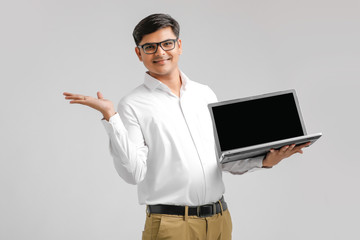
(211,96)
(243,166)
(127,145)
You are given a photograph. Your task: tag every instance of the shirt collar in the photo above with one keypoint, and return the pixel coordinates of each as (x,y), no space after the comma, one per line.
(152,83)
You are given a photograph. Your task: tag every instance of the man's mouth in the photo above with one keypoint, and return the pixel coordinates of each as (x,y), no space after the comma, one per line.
(163,60)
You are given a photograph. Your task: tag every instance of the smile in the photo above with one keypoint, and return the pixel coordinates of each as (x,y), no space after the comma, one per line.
(161,60)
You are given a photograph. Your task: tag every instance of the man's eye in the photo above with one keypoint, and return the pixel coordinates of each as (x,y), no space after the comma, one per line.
(149,47)
(168,44)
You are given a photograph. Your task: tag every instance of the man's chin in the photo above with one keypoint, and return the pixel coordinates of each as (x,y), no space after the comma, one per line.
(162,74)
(158,73)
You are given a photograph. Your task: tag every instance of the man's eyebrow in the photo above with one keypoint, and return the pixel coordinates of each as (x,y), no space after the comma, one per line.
(158,42)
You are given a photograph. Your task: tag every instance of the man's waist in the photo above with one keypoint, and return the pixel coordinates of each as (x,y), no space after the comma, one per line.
(206,210)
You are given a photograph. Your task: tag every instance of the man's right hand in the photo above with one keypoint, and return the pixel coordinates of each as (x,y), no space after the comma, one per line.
(106,107)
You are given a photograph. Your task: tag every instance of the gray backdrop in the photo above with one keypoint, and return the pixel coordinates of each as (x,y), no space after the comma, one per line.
(57,178)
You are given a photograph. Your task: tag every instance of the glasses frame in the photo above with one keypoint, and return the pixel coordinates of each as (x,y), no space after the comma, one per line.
(158,44)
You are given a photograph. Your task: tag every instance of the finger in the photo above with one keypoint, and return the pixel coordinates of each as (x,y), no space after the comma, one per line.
(99,95)
(77,101)
(76,97)
(305,145)
(297,151)
(284,148)
(69,94)
(272,151)
(300,147)
(71,97)
(291,147)
(83,102)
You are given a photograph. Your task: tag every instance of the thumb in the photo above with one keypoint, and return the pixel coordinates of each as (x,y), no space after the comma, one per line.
(99,95)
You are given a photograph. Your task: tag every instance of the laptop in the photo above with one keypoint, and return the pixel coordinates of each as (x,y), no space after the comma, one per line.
(250,127)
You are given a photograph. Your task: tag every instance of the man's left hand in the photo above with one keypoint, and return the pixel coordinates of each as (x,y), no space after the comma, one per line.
(275,156)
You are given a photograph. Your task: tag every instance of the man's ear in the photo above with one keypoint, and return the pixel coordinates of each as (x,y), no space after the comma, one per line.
(180,46)
(137,51)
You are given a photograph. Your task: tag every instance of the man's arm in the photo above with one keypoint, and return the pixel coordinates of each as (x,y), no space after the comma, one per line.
(272,158)
(127,145)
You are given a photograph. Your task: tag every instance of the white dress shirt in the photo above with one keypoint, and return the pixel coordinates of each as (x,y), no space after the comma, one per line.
(165,144)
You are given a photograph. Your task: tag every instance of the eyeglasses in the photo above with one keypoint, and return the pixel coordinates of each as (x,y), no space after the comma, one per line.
(166,45)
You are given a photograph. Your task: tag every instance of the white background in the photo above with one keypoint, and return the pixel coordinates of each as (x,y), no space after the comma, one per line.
(57,180)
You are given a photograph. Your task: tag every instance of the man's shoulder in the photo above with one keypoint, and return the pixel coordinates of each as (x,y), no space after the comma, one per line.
(134,95)
(202,90)
(197,86)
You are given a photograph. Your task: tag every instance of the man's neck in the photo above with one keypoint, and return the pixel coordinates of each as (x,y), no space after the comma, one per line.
(173,81)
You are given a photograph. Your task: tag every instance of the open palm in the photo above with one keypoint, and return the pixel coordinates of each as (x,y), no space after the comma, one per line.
(105,106)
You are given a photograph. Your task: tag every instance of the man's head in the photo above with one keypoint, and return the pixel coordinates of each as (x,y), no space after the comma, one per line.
(158,45)
(153,23)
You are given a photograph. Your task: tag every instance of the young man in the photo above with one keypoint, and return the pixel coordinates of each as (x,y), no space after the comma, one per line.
(161,138)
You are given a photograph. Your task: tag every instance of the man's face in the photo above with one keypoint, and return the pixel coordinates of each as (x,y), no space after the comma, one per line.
(161,63)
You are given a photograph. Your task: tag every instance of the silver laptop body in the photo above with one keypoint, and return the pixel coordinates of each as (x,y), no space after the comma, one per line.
(250,127)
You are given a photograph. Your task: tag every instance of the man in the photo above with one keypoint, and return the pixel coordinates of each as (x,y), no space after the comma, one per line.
(161,138)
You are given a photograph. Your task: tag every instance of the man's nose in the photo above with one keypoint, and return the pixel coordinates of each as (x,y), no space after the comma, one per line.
(160,51)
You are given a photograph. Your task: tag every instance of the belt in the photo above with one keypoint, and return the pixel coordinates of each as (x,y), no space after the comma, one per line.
(201,211)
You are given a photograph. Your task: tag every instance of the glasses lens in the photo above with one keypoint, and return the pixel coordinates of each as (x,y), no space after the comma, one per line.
(149,48)
(168,45)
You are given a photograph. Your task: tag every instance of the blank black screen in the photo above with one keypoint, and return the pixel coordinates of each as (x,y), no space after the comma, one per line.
(257,121)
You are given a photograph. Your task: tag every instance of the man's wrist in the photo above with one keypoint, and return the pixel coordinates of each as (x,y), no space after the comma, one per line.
(108,115)
(265,165)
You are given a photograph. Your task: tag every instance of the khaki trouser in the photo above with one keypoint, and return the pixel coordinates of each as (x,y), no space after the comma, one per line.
(174,227)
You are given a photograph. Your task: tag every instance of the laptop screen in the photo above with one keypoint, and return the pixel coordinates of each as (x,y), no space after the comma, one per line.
(257,121)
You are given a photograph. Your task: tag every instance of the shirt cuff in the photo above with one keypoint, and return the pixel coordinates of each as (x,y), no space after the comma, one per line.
(243,166)
(257,162)
(114,124)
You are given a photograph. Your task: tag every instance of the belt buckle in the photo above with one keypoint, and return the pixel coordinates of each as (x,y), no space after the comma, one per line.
(211,210)
(148,210)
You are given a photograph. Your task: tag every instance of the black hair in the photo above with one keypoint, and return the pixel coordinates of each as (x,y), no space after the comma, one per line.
(152,23)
